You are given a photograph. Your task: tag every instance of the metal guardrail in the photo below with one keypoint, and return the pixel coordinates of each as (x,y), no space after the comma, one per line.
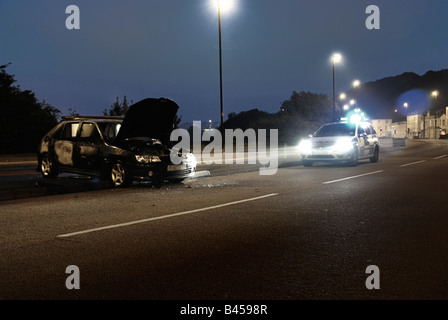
(399,142)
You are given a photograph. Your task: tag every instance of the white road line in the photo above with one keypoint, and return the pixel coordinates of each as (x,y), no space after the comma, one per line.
(436,158)
(165,216)
(412,163)
(353,177)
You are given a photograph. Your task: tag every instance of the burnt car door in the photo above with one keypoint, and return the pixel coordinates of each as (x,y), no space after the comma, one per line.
(88,146)
(64,145)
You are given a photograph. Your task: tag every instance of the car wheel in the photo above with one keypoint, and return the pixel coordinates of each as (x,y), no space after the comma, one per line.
(354,160)
(47,167)
(307,163)
(119,175)
(376,155)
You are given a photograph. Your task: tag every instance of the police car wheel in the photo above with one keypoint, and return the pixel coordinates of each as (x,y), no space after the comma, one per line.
(307,163)
(354,159)
(376,155)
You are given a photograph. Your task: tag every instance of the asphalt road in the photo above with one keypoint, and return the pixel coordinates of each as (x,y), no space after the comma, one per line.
(301,234)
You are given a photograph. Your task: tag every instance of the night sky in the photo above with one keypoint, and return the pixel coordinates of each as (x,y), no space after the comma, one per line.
(169,48)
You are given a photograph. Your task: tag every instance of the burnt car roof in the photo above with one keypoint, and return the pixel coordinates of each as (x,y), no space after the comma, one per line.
(93,118)
(149,118)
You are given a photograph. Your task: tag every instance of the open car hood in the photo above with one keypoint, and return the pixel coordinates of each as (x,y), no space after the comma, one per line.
(149,118)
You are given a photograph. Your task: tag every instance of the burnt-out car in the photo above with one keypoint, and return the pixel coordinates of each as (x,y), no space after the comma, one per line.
(120,149)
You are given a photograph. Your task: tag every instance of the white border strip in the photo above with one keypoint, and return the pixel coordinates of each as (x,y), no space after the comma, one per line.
(412,163)
(436,158)
(165,216)
(348,178)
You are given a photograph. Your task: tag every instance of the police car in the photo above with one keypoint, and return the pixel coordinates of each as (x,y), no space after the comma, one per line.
(341,142)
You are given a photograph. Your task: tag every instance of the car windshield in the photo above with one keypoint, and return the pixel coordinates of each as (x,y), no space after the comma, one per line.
(109,130)
(336,130)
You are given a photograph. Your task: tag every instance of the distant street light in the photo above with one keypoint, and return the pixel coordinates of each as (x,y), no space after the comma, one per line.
(435,93)
(342,96)
(335,58)
(356,83)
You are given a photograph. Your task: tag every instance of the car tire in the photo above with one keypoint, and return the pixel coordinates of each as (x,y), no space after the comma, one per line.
(353,162)
(119,175)
(307,163)
(376,155)
(48,167)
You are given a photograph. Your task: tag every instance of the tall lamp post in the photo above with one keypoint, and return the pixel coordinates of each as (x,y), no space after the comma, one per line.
(435,94)
(335,59)
(223,6)
(407,128)
(356,84)
(220,62)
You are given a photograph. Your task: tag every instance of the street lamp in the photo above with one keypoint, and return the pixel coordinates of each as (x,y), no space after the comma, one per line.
(335,58)
(220,62)
(223,5)
(435,94)
(407,128)
(356,83)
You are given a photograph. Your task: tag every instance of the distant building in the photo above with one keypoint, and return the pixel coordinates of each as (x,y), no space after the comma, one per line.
(416,126)
(383,127)
(398,129)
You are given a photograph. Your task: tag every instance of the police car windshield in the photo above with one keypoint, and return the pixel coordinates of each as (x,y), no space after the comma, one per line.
(336,130)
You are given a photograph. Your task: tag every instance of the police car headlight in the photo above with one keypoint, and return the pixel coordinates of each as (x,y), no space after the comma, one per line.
(343,145)
(305,146)
(147,158)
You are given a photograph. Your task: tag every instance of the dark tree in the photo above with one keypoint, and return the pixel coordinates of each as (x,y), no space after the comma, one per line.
(177,121)
(301,114)
(380,98)
(253,119)
(121,108)
(117,108)
(24,120)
